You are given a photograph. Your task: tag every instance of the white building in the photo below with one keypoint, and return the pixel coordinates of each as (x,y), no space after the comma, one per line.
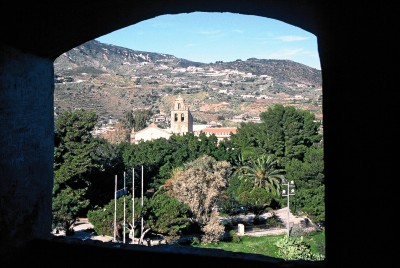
(181,123)
(149,133)
(220,132)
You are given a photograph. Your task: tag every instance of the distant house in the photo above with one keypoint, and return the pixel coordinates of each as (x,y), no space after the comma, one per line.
(255,119)
(198,128)
(220,132)
(159,118)
(238,118)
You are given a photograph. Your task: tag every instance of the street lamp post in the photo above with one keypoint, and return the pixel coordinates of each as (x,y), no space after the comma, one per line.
(288,192)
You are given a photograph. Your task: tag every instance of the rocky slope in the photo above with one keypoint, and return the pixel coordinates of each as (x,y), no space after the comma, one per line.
(112,80)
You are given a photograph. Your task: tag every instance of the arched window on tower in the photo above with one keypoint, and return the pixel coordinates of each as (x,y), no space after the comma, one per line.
(176,117)
(179,106)
(182,117)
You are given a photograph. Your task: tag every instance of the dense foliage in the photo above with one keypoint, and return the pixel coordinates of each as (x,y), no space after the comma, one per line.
(167,216)
(291,137)
(190,174)
(74,158)
(82,168)
(103,218)
(295,248)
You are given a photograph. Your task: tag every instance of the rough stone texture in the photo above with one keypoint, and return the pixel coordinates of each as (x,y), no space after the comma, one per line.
(359,105)
(26,147)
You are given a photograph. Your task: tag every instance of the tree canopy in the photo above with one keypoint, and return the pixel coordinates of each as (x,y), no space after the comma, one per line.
(197,171)
(74,158)
(285,132)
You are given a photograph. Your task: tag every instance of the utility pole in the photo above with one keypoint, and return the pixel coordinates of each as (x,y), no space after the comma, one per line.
(133,205)
(141,229)
(115,210)
(124,209)
(288,192)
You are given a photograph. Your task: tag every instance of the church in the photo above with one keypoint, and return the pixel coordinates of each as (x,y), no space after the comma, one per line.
(181,122)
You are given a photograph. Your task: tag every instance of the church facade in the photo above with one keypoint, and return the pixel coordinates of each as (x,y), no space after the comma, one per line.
(149,133)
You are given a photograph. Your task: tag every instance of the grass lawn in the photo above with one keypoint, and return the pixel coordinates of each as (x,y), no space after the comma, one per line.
(265,245)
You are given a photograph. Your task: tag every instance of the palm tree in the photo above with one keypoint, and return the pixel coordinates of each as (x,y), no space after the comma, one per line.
(264,174)
(238,165)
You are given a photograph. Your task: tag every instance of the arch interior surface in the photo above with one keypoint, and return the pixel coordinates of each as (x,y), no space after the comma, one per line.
(356,53)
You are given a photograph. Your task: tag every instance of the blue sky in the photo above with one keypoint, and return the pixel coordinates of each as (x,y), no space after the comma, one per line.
(209,37)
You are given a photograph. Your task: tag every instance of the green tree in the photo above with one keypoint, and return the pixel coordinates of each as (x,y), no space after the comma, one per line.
(109,163)
(264,177)
(136,119)
(152,155)
(102,218)
(167,216)
(256,200)
(74,156)
(161,214)
(285,132)
(160,156)
(226,150)
(264,173)
(141,117)
(250,139)
(66,206)
(310,184)
(290,131)
(128,120)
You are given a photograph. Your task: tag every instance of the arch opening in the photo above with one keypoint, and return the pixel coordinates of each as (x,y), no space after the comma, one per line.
(287,38)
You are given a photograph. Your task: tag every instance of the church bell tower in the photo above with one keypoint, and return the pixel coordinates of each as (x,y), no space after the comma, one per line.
(181,118)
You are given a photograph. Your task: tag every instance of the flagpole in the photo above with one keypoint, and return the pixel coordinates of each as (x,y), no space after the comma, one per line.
(141,229)
(123,235)
(115,210)
(133,205)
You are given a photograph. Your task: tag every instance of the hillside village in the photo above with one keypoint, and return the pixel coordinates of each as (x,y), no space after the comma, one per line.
(112,81)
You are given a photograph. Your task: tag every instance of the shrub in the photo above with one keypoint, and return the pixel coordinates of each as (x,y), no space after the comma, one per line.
(233,237)
(195,241)
(296,248)
(214,230)
(273,221)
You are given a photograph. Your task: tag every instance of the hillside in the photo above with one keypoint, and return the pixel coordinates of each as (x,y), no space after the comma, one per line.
(112,80)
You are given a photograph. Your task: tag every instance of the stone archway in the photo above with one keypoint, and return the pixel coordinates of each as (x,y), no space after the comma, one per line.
(35,33)
(39,34)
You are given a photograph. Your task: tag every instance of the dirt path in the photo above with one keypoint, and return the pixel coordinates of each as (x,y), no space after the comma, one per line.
(282,214)
(84,229)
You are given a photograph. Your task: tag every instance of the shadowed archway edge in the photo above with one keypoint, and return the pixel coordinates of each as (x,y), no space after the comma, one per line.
(49,28)
(360,107)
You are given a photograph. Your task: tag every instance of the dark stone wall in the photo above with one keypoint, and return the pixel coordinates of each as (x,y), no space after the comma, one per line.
(359,75)
(26,147)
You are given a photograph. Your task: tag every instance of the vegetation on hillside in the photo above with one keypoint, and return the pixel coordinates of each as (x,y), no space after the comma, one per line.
(111,80)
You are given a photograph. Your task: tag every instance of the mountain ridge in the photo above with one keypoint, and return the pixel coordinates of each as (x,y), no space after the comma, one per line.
(112,80)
